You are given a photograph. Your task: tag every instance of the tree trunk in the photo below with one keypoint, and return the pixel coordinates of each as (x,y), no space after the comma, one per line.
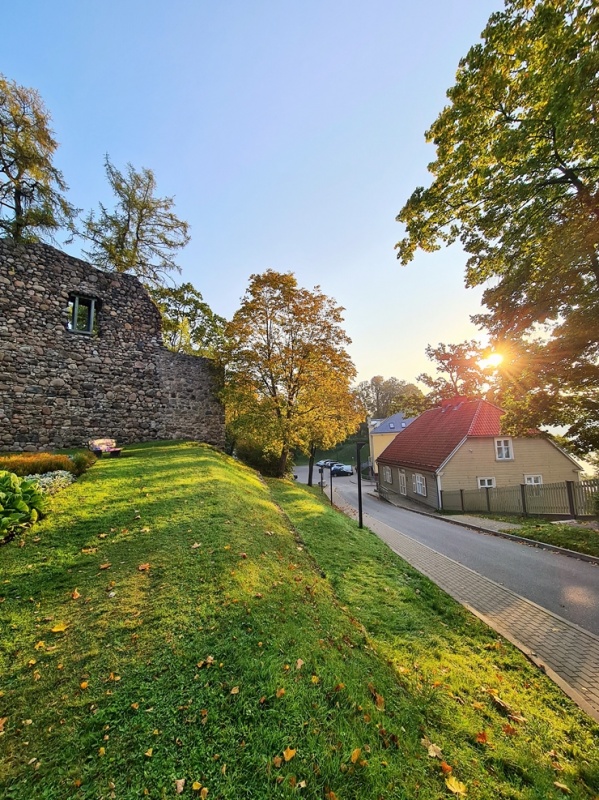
(311,463)
(283,461)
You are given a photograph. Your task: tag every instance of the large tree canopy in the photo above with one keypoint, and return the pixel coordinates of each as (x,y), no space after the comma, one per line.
(516,180)
(288,374)
(188,323)
(459,371)
(32,201)
(382,397)
(141,234)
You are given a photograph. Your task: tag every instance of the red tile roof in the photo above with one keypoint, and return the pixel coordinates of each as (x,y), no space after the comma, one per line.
(435,434)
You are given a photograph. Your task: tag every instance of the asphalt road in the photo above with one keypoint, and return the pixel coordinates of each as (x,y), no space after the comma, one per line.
(566,586)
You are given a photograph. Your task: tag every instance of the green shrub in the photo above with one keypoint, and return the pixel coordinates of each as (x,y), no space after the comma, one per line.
(82,461)
(21,503)
(265,462)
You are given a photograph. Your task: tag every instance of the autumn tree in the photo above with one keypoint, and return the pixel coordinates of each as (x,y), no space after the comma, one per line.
(188,323)
(459,371)
(516,181)
(382,397)
(32,191)
(287,368)
(141,234)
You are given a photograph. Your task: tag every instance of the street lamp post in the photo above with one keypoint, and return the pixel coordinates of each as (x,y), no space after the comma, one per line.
(359,446)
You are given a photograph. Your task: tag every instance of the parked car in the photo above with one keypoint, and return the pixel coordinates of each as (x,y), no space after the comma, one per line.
(327,462)
(341,470)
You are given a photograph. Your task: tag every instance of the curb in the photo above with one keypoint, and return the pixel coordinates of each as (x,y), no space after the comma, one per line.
(490,532)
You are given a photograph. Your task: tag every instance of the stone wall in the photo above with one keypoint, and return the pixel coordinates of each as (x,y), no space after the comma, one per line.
(60,388)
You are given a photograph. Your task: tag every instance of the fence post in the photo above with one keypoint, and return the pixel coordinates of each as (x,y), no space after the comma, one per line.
(571,503)
(462,498)
(488,499)
(523,496)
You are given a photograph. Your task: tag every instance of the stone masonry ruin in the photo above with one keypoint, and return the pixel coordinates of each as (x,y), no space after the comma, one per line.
(81,357)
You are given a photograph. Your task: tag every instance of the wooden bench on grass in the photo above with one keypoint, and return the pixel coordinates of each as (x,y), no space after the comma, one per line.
(99,447)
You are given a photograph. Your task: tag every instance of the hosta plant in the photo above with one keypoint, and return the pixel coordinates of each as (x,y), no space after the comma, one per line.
(21,503)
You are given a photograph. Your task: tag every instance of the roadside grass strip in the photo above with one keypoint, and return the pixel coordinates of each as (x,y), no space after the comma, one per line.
(500,723)
(169,631)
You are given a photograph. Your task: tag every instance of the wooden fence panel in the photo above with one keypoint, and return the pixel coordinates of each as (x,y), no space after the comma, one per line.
(452,500)
(506,500)
(584,497)
(549,499)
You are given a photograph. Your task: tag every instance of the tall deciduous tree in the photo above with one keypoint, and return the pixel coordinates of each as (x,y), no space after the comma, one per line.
(141,234)
(32,191)
(287,368)
(516,180)
(459,371)
(382,397)
(188,323)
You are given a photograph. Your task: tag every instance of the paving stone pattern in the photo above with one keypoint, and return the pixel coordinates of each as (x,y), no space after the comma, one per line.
(567,653)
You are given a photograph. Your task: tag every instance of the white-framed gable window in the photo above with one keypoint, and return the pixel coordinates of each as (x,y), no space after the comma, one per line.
(504,450)
(419,484)
(486,483)
(403,489)
(387,474)
(533,480)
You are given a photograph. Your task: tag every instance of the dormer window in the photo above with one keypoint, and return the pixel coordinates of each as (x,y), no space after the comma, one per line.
(83,314)
(392,425)
(503,450)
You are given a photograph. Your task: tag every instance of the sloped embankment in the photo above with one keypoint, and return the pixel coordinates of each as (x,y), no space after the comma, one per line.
(167,622)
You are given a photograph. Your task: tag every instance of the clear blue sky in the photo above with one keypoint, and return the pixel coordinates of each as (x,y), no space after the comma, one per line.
(290,132)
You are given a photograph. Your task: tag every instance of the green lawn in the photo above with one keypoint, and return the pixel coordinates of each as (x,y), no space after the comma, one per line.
(581,539)
(266,648)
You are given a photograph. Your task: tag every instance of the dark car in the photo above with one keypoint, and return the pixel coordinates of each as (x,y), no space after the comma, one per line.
(341,470)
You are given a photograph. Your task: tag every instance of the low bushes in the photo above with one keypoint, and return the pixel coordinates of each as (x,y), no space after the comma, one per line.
(52,482)
(23,464)
(21,503)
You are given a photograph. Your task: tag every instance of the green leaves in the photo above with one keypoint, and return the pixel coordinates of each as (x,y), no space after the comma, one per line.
(516,181)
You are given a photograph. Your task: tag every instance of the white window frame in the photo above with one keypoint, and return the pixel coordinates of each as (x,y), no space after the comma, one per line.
(419,484)
(403,487)
(504,449)
(486,483)
(531,480)
(387,474)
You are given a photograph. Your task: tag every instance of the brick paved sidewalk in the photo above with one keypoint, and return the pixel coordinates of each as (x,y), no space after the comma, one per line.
(567,653)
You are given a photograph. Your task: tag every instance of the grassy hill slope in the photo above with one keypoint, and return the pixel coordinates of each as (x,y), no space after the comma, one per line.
(175,618)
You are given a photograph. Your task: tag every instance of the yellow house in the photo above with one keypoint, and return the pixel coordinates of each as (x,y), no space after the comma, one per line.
(381,432)
(459,446)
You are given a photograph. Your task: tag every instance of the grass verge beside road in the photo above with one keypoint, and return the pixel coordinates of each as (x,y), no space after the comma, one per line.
(579,538)
(170,622)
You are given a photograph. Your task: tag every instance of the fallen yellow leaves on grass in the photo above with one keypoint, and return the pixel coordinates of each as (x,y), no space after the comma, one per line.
(355,755)
(455,786)
(143,567)
(60,627)
(75,595)
(288,753)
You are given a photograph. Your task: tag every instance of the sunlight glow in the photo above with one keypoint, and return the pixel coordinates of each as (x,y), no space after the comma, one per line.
(494,360)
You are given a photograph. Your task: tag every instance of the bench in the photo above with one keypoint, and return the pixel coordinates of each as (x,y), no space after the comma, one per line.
(101,446)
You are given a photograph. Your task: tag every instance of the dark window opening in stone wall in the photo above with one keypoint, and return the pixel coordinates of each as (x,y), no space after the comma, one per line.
(83,314)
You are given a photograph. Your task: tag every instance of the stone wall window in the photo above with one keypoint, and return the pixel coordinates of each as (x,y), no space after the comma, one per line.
(83,314)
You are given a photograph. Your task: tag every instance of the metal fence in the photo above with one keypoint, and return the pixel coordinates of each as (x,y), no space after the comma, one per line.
(567,499)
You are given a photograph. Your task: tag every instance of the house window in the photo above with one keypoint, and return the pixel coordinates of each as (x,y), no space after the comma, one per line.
(486,483)
(419,484)
(83,314)
(403,489)
(503,450)
(533,480)
(387,475)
